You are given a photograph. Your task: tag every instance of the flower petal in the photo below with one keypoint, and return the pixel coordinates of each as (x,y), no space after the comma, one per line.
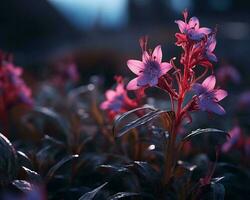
(132,85)
(153,82)
(216,108)
(145,57)
(211,44)
(195,35)
(211,57)
(104,105)
(165,67)
(235,135)
(194,23)
(181,24)
(143,80)
(220,94)
(210,106)
(120,89)
(135,66)
(198,89)
(110,94)
(157,54)
(205,30)
(209,82)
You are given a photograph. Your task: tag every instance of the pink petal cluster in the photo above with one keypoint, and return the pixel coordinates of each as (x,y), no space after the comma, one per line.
(117,100)
(13,90)
(210,46)
(202,52)
(198,42)
(149,70)
(192,29)
(235,137)
(237,141)
(208,97)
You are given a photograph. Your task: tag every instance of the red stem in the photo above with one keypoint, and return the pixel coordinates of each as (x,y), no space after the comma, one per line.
(184,85)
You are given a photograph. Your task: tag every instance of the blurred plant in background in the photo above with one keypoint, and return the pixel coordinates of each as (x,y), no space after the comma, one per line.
(13,90)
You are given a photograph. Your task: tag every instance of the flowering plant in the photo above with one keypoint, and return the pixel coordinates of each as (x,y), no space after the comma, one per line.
(72,151)
(179,81)
(13,90)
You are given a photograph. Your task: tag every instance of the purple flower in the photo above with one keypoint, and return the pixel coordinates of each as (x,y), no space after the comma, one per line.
(235,135)
(210,46)
(208,97)
(13,89)
(149,70)
(114,99)
(192,29)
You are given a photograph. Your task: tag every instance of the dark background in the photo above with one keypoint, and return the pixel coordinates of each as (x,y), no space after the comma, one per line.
(39,32)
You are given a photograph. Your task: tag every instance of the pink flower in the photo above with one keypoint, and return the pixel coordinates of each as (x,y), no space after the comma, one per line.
(149,70)
(202,53)
(235,136)
(117,100)
(192,29)
(13,90)
(210,46)
(208,97)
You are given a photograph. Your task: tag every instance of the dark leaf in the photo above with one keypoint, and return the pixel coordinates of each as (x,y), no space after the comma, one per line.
(23,159)
(22,185)
(202,131)
(80,91)
(51,140)
(184,169)
(218,191)
(58,165)
(152,114)
(91,195)
(8,160)
(126,115)
(110,169)
(217,179)
(145,171)
(121,195)
(186,165)
(53,117)
(27,174)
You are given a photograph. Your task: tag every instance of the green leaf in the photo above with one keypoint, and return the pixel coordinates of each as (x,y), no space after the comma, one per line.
(91,195)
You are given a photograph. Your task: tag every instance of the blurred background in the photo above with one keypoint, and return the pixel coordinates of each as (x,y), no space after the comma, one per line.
(100,35)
